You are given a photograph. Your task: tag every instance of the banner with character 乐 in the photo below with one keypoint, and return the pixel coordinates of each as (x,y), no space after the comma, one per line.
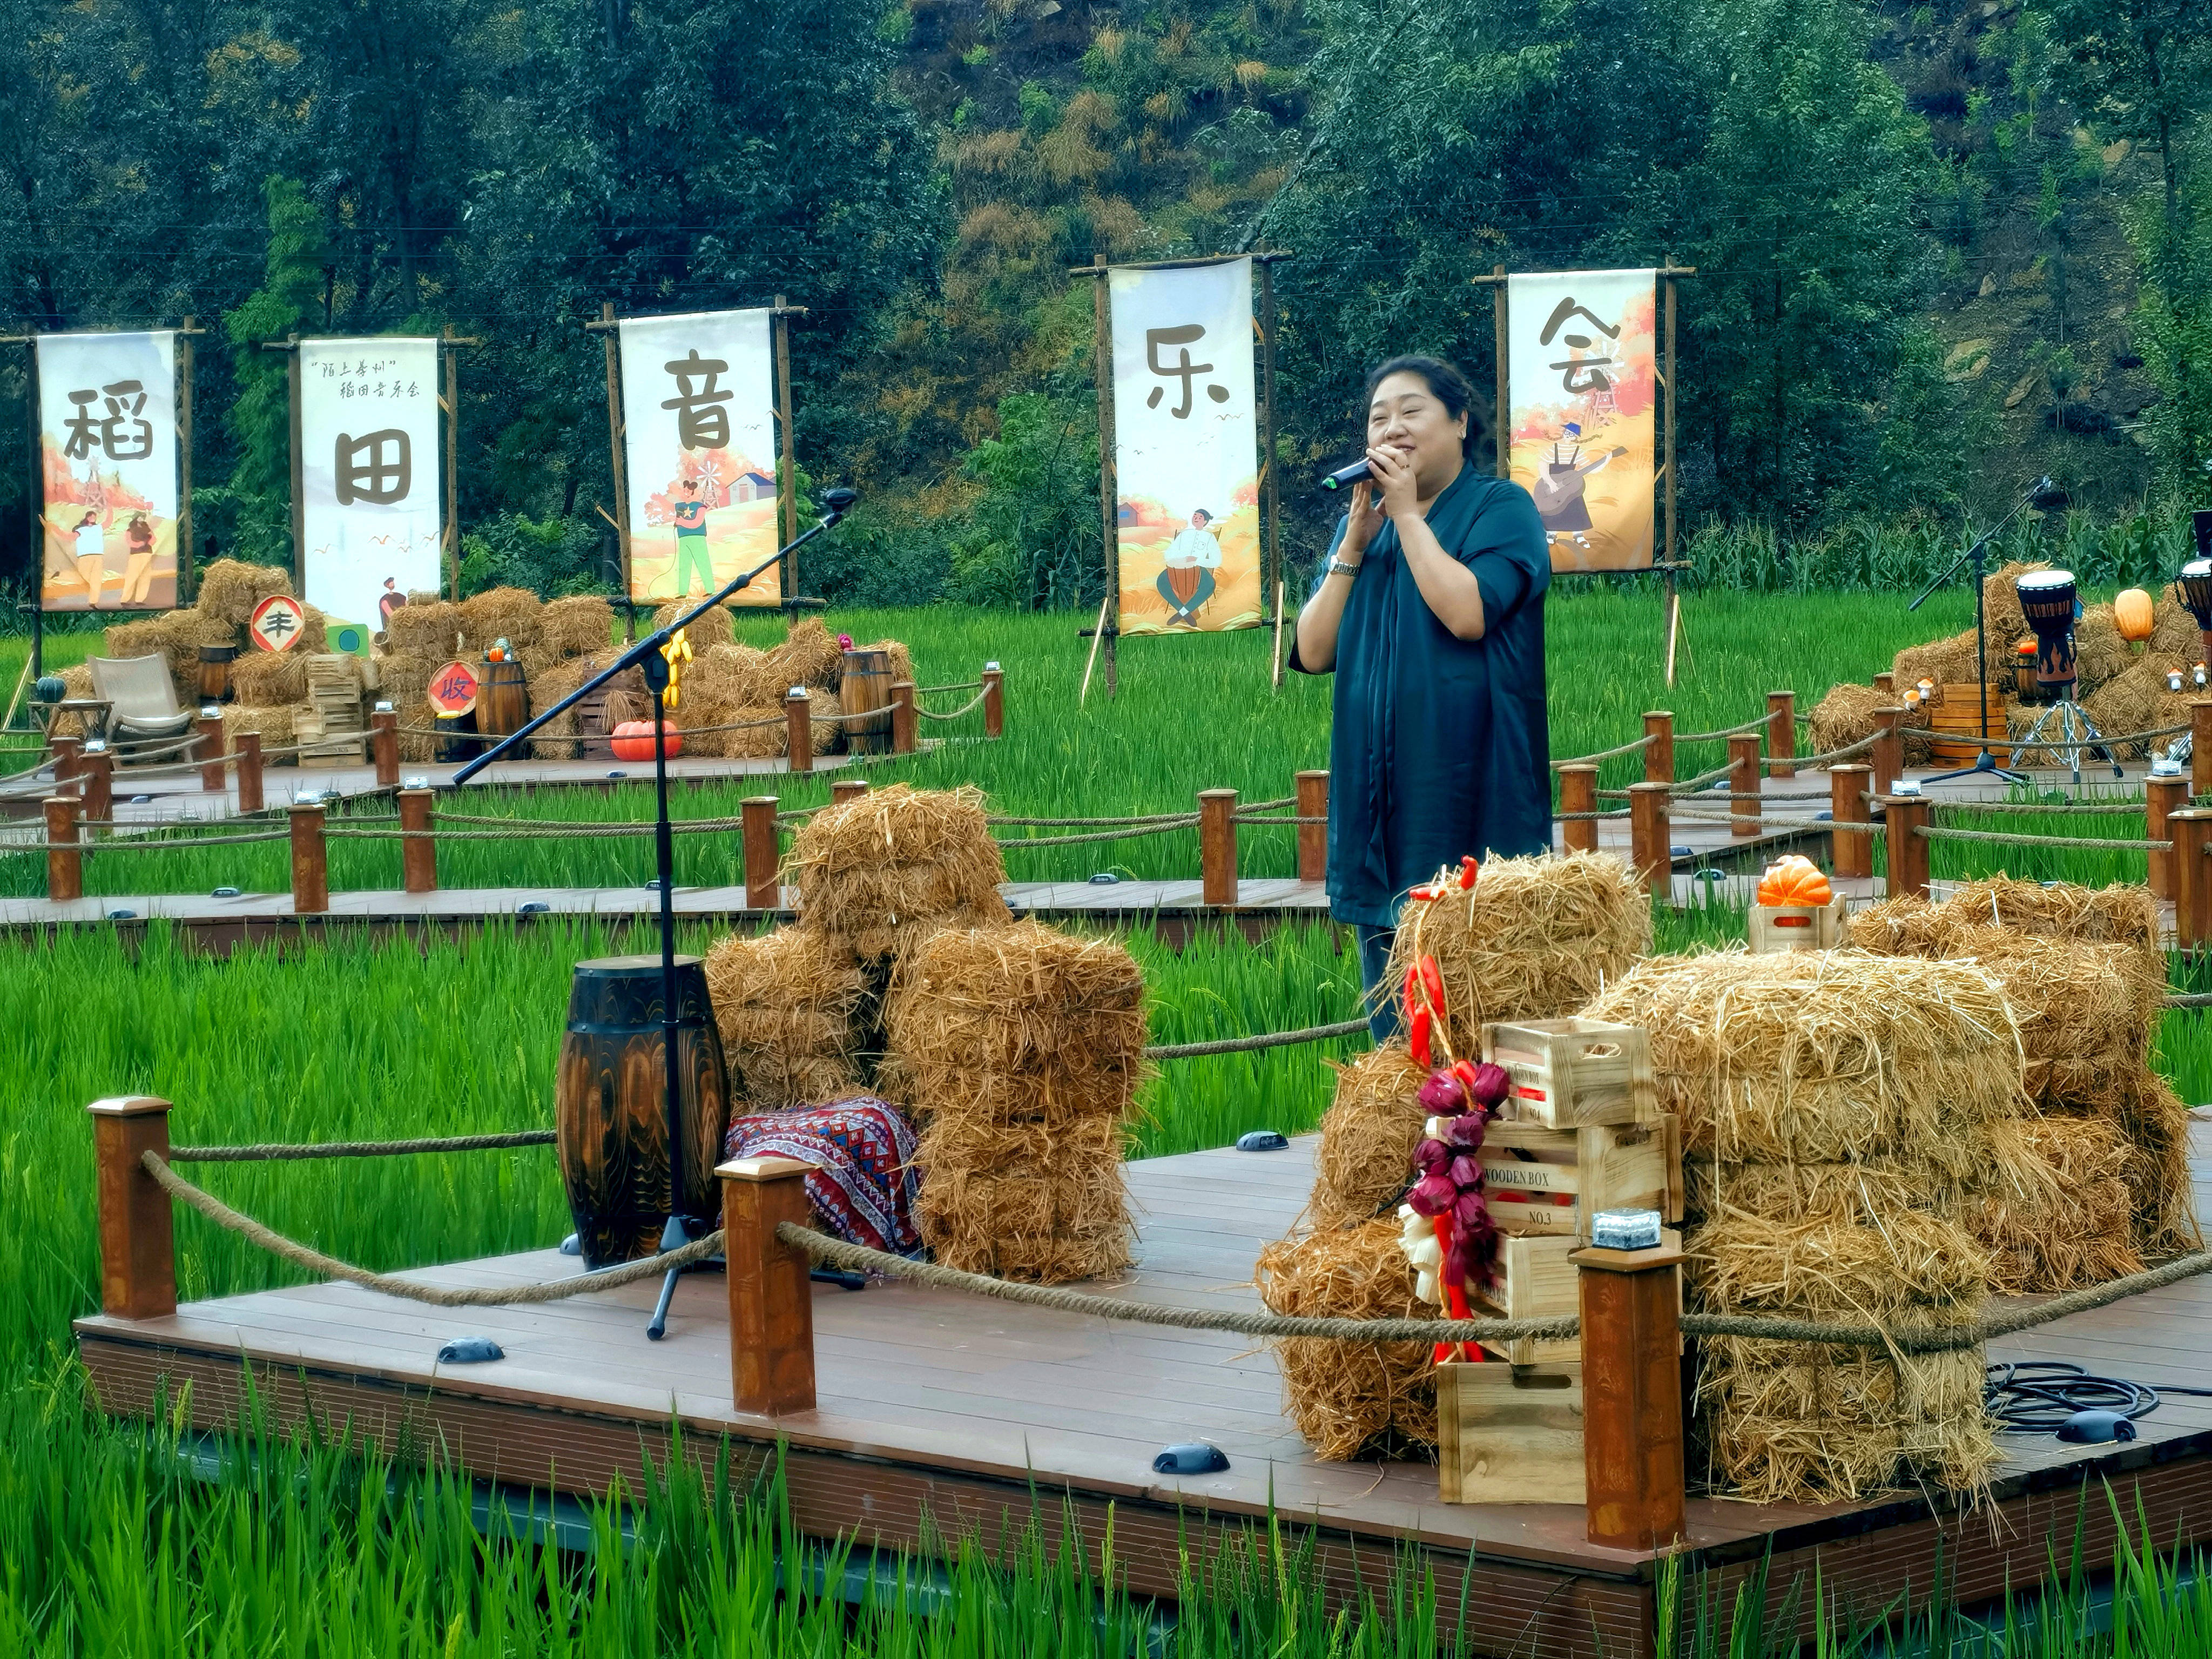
(1582,391)
(108,461)
(698,404)
(371,526)
(1186,448)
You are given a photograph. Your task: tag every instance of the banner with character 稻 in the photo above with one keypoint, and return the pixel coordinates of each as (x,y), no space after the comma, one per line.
(1186,448)
(1582,388)
(371,526)
(108,461)
(698,403)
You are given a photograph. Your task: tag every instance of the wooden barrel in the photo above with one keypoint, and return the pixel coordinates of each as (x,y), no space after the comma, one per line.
(214,673)
(865,689)
(610,1105)
(454,746)
(1958,723)
(502,703)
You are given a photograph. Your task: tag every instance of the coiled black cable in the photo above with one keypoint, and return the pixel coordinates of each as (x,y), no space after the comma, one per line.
(2036,1396)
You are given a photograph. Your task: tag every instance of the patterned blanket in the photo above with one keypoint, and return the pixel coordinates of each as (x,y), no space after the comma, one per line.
(864,1181)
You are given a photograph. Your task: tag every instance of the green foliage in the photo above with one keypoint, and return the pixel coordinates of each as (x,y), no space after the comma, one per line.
(256,502)
(551,557)
(1032,541)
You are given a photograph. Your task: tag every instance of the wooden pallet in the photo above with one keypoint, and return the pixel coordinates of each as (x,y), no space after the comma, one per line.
(331,724)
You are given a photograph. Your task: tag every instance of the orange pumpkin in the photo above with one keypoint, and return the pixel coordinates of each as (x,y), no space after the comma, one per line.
(2131,613)
(1795,880)
(633,741)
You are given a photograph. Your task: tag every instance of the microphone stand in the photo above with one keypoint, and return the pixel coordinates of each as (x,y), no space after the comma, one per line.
(645,655)
(1984,764)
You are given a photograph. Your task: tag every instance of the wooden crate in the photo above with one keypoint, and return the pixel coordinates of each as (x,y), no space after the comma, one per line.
(1777,928)
(1551,1182)
(1536,1281)
(1572,1071)
(1510,1434)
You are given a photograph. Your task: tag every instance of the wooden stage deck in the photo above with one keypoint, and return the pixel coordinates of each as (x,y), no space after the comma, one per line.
(970,1413)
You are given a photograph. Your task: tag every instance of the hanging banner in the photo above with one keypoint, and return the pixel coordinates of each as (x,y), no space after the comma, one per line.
(107,438)
(698,402)
(370,520)
(1583,394)
(1186,448)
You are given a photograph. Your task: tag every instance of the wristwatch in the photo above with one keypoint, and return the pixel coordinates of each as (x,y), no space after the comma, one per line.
(1338,567)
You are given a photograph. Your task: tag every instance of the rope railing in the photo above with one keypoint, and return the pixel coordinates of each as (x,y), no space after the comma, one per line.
(967,708)
(1643,742)
(2072,843)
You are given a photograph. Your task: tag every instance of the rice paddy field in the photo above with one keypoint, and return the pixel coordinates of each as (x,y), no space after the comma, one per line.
(125,1539)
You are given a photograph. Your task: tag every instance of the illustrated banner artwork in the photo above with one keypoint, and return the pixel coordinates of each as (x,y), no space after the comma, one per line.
(1582,388)
(107,437)
(698,403)
(371,523)
(1186,448)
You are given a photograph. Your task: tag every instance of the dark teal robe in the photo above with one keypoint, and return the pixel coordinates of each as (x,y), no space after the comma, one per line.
(1439,746)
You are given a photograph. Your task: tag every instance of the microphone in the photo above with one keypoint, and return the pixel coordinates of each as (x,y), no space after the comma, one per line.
(1344,476)
(838,503)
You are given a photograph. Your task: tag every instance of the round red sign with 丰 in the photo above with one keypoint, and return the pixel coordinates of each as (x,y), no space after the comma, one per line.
(453,689)
(277,623)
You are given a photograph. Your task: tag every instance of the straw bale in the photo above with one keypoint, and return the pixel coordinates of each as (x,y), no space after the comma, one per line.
(2156,1124)
(2100,655)
(1346,1397)
(1534,938)
(1367,1137)
(712,627)
(77,683)
(887,869)
(171,636)
(425,630)
(229,589)
(2173,631)
(808,656)
(762,733)
(537,661)
(742,674)
(2137,700)
(514,614)
(1859,1387)
(2123,913)
(265,678)
(274,724)
(1776,1459)
(1045,1204)
(576,626)
(1860,1191)
(823,726)
(901,659)
(1742,1263)
(555,740)
(2001,611)
(405,684)
(1826,1056)
(2060,1215)
(793,1016)
(1950,661)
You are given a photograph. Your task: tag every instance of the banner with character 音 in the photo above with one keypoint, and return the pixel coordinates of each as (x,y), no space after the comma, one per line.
(372,529)
(1186,448)
(108,461)
(1583,390)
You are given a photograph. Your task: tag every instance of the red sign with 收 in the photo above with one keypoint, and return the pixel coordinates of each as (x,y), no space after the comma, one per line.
(453,689)
(277,623)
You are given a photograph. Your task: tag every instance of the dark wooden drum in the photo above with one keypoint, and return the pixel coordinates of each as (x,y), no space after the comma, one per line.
(214,673)
(502,701)
(610,1107)
(866,688)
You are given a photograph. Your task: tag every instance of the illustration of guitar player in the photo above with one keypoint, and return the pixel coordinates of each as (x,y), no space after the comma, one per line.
(1559,492)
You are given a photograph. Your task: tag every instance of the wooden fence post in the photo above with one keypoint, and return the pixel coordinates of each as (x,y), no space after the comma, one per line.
(798,728)
(1850,851)
(1649,851)
(1217,845)
(1632,1456)
(2191,831)
(1742,781)
(2162,797)
(1579,793)
(138,1249)
(418,858)
(211,755)
(98,770)
(64,863)
(2200,747)
(905,722)
(1313,838)
(384,743)
(249,772)
(994,700)
(311,869)
(1908,850)
(68,757)
(763,879)
(1885,681)
(1887,755)
(1659,753)
(847,789)
(1781,733)
(771,1298)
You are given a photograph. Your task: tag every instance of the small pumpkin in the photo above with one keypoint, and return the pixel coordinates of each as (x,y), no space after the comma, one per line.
(1795,880)
(2131,614)
(633,741)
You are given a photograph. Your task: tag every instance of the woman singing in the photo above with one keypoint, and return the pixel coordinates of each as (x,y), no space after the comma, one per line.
(1429,611)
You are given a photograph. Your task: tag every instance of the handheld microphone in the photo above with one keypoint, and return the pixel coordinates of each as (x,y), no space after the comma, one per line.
(1344,476)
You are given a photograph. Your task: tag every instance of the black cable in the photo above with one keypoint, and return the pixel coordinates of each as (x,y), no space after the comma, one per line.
(2036,1396)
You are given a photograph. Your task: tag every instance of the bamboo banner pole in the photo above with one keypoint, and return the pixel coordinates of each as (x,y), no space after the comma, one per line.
(291,346)
(185,584)
(1273,561)
(1091,661)
(1502,411)
(1108,516)
(787,466)
(34,498)
(1674,592)
(620,472)
(451,402)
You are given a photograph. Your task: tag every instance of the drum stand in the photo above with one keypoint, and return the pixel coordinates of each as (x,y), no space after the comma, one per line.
(2075,732)
(645,656)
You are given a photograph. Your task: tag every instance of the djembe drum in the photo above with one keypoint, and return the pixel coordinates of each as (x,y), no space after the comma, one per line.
(2194,587)
(2049,600)
(1183,582)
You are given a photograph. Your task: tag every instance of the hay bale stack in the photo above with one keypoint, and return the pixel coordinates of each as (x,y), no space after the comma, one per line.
(77,683)
(576,626)
(2057,1218)
(274,724)
(405,683)
(2100,655)
(743,671)
(1534,938)
(2001,611)
(1947,662)
(2137,700)
(1846,716)
(1367,1138)
(883,872)
(425,630)
(2121,913)
(2156,1124)
(514,614)
(1021,1049)
(2174,632)
(809,656)
(175,637)
(792,1018)
(556,740)
(710,628)
(229,590)
(263,679)
(1348,1397)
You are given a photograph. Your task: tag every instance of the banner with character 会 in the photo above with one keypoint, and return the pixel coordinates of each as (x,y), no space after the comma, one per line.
(698,403)
(1582,391)
(372,528)
(1186,448)
(108,465)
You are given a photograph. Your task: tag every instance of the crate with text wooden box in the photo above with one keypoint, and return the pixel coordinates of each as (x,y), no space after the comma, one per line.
(1572,1071)
(1778,927)
(1551,1183)
(1510,1434)
(1533,1278)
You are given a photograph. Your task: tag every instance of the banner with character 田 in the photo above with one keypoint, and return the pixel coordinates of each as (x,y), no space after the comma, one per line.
(1186,448)
(698,403)
(108,441)
(371,525)
(1582,391)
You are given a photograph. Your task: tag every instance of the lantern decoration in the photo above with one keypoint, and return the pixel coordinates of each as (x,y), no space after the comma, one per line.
(633,741)
(2131,614)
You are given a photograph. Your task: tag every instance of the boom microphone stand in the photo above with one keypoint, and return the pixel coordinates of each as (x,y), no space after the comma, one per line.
(645,655)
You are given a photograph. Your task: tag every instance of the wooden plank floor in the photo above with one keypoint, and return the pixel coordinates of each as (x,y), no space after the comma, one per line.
(959,1397)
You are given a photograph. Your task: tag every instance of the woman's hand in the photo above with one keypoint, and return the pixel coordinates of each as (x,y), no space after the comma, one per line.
(1361,520)
(1394,476)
